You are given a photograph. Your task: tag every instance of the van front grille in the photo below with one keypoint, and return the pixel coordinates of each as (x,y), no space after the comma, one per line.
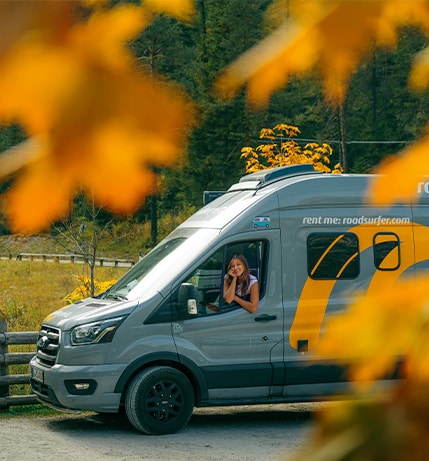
(48,343)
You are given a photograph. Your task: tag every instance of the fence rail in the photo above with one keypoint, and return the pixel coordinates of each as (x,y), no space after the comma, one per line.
(69,258)
(14,358)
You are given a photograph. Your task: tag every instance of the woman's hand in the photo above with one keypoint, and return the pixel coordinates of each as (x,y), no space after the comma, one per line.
(229,288)
(231,274)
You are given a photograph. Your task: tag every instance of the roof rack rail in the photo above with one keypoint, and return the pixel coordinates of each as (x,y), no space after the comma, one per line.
(272,174)
(254,181)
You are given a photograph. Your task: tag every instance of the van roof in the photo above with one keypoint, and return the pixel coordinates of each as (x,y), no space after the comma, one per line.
(259,179)
(254,181)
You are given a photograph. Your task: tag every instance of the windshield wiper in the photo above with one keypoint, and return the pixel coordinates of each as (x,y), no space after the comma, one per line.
(116,297)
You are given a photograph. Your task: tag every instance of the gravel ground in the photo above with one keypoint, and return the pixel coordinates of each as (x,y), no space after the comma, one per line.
(266,432)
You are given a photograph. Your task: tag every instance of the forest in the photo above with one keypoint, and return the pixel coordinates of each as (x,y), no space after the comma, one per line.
(379,116)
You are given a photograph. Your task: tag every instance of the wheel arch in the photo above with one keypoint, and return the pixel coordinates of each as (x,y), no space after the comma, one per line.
(186,366)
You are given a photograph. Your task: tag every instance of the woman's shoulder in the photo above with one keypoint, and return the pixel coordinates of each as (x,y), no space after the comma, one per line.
(253,279)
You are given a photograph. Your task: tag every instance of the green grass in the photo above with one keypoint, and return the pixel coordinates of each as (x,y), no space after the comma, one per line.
(30,290)
(27,410)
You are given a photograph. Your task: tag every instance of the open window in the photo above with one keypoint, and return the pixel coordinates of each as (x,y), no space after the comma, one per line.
(207,280)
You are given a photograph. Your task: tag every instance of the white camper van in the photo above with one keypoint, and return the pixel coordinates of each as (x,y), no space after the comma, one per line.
(162,340)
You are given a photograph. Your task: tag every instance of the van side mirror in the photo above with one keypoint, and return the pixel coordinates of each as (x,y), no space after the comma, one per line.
(188,298)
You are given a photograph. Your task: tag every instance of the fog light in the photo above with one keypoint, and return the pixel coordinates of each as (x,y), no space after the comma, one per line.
(80,387)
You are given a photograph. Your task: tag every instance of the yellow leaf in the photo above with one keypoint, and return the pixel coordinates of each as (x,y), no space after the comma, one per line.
(376,330)
(181,9)
(269,65)
(103,125)
(103,37)
(34,101)
(398,13)
(40,196)
(20,21)
(404,171)
(267,133)
(419,75)
(319,34)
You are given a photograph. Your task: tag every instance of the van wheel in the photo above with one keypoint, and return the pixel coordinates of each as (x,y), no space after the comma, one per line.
(159,400)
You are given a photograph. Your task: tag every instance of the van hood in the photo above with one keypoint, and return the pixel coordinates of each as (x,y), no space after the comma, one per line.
(88,310)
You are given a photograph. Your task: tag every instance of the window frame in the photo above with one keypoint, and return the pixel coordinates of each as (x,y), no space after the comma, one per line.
(337,237)
(375,245)
(228,251)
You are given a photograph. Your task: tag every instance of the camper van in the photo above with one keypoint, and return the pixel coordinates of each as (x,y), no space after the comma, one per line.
(162,340)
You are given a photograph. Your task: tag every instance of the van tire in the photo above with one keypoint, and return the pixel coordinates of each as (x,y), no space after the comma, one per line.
(159,400)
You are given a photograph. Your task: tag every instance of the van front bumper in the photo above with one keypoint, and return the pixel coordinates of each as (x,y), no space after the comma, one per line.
(88,387)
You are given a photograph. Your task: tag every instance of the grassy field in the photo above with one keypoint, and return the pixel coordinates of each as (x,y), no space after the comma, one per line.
(30,290)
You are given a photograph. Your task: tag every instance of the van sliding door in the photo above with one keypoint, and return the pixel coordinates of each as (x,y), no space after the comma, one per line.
(328,266)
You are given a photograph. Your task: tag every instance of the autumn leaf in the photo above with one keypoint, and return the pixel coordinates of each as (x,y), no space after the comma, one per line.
(96,122)
(405,171)
(83,290)
(379,329)
(319,34)
(180,9)
(333,37)
(18,19)
(419,76)
(371,429)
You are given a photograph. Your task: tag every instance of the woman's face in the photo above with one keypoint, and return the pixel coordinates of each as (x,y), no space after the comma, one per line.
(236,268)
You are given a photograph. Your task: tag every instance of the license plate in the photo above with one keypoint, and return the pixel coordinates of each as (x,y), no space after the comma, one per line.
(37,374)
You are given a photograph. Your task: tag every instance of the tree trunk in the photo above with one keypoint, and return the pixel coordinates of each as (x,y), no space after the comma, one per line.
(343,146)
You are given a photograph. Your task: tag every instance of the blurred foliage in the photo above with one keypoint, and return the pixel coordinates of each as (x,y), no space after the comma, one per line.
(377,331)
(380,114)
(84,103)
(87,100)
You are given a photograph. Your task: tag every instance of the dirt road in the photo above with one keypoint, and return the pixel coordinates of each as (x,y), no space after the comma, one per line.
(256,433)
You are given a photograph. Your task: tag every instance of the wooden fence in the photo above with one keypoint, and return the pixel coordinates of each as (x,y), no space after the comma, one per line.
(71,258)
(14,358)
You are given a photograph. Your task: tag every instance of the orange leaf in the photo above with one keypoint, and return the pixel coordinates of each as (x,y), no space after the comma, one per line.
(180,9)
(404,171)
(419,76)
(40,196)
(332,35)
(104,125)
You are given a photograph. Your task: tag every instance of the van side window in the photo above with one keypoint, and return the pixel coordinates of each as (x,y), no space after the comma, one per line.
(387,256)
(332,255)
(207,279)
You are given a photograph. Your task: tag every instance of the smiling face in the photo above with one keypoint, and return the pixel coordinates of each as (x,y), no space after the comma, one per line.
(236,268)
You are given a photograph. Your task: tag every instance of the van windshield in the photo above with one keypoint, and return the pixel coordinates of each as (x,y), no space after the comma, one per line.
(124,285)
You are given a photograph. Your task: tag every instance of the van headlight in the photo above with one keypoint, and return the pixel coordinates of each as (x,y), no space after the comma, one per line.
(96,332)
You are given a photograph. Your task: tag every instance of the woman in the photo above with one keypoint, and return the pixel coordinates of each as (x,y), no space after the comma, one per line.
(240,285)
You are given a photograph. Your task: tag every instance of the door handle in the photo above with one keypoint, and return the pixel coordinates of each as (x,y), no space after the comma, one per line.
(265,318)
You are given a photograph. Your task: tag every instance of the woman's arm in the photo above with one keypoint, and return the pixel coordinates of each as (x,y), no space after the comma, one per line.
(229,289)
(252,305)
